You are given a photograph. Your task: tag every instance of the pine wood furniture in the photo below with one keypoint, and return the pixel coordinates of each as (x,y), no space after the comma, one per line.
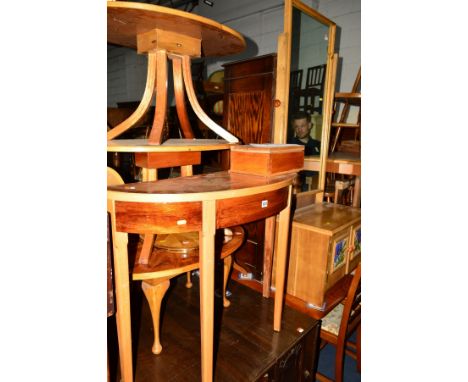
(340,324)
(325,247)
(165,33)
(170,258)
(171,255)
(340,163)
(248,350)
(352,98)
(200,203)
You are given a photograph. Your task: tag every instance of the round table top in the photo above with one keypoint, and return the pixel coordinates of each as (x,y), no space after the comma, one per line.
(171,145)
(213,186)
(125,20)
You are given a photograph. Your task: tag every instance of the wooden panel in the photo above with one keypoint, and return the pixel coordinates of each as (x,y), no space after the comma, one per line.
(172,42)
(327,218)
(161,160)
(307,271)
(247,116)
(250,67)
(267,161)
(158,218)
(292,163)
(242,210)
(248,100)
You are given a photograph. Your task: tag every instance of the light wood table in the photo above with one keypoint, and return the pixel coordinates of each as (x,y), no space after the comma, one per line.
(200,203)
(164,33)
(340,163)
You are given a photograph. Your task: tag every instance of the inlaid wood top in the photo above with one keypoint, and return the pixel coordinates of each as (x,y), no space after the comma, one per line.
(214,186)
(125,20)
(171,145)
(327,218)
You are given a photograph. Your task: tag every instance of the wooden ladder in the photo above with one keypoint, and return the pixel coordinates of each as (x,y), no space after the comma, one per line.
(349,99)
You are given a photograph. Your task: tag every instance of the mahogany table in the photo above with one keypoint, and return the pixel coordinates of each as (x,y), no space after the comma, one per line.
(200,203)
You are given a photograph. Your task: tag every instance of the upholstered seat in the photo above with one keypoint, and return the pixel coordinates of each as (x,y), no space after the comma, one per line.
(340,324)
(332,321)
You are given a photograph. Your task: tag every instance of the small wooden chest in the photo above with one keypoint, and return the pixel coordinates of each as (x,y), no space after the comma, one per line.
(267,159)
(325,246)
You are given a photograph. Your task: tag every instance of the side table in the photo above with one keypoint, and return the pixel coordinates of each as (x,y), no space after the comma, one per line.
(200,203)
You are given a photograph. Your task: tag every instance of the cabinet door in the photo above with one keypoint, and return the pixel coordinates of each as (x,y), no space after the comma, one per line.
(288,366)
(338,257)
(355,248)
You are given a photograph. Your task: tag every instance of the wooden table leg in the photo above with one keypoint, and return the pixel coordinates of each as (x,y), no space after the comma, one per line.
(206,253)
(269,244)
(122,294)
(283,224)
(357,192)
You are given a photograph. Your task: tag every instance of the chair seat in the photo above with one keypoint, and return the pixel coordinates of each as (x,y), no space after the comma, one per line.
(331,322)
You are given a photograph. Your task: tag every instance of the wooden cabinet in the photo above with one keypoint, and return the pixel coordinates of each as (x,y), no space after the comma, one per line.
(325,246)
(298,363)
(249,88)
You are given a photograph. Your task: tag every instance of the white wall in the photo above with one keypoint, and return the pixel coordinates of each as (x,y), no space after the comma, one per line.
(347,16)
(260,22)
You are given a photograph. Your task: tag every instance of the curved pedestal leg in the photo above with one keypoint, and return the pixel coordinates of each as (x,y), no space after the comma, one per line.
(144,104)
(227,269)
(154,291)
(155,136)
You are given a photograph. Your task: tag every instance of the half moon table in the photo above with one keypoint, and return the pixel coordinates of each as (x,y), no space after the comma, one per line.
(200,203)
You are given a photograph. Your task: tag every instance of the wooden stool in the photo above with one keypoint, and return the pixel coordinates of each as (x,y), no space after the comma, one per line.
(172,255)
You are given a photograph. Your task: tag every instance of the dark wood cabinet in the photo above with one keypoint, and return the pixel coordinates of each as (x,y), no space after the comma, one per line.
(249,88)
(298,363)
(249,91)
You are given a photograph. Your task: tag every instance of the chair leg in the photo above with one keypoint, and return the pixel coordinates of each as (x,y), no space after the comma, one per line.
(189,284)
(358,348)
(339,362)
(227,269)
(154,291)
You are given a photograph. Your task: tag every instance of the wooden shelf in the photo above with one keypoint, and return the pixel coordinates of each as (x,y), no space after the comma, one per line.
(166,263)
(351,98)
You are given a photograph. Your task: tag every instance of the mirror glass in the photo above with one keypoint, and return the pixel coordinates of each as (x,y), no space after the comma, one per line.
(309,45)
(309,42)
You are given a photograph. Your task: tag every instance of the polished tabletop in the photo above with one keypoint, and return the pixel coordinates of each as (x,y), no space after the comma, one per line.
(217,185)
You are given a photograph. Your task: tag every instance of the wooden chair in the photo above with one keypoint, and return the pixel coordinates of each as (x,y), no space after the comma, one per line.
(315,81)
(171,256)
(295,84)
(338,326)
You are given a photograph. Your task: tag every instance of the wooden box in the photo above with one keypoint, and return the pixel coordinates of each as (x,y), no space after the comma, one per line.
(325,246)
(267,159)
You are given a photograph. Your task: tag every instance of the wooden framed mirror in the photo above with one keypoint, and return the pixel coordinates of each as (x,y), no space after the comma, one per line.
(306,80)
